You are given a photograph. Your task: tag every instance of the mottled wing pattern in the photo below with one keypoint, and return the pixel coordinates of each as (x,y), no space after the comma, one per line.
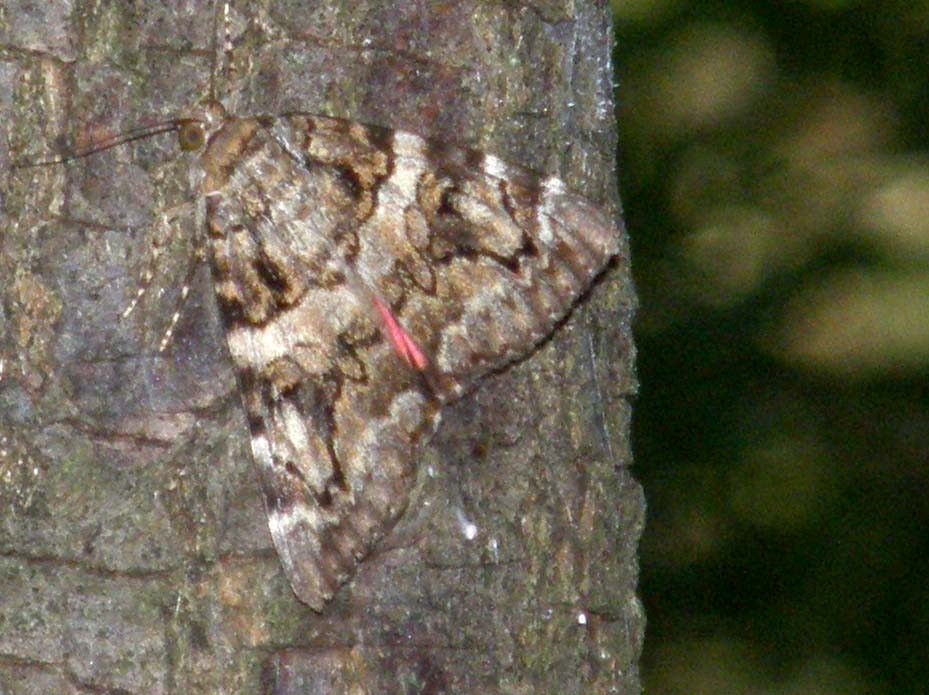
(365,277)
(478,259)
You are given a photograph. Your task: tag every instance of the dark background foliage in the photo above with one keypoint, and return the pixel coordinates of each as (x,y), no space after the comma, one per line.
(776,185)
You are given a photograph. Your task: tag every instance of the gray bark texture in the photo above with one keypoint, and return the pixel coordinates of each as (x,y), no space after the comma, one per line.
(134,551)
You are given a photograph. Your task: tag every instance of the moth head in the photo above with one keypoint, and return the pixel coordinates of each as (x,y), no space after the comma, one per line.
(191,136)
(195,128)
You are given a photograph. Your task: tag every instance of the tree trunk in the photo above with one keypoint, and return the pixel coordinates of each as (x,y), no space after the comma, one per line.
(134,551)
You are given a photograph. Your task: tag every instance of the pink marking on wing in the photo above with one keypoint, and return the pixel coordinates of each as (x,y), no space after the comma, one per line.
(404,345)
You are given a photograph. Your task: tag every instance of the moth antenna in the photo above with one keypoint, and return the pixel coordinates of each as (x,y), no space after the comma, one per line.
(169,331)
(196,258)
(146,280)
(106,144)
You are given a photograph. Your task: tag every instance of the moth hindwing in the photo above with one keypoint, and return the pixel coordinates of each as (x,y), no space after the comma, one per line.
(365,278)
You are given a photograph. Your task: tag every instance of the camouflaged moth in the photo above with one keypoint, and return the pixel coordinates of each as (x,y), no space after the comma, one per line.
(366,277)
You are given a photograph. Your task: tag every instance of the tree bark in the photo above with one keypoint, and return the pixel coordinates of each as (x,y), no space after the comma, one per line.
(134,552)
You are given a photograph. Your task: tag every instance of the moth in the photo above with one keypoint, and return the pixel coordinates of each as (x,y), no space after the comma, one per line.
(365,278)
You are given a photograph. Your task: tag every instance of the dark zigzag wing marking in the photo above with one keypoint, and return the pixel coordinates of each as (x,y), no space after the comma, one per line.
(313,222)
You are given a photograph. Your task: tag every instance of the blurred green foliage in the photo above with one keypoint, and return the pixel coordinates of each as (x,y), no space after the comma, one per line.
(775,176)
